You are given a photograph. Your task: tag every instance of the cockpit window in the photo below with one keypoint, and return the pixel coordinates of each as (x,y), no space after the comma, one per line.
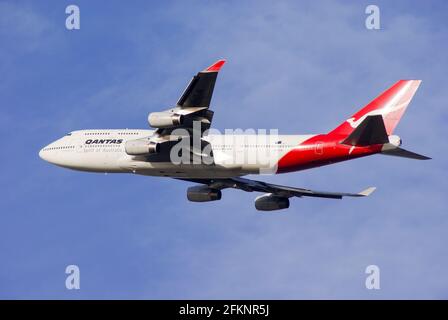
(69,134)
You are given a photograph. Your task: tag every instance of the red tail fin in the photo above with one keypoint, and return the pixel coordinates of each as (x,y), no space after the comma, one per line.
(391,104)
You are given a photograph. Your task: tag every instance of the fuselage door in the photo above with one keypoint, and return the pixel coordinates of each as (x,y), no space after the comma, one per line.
(319,148)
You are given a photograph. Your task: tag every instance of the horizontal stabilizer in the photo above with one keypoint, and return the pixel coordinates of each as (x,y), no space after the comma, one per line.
(399,152)
(370,131)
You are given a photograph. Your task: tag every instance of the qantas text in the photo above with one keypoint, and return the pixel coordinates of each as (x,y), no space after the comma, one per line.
(104,141)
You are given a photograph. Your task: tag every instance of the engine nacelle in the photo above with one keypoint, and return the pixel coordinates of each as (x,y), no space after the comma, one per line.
(165,119)
(269,202)
(141,147)
(203,194)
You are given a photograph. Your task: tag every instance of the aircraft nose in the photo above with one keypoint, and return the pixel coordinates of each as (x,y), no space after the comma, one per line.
(47,154)
(42,154)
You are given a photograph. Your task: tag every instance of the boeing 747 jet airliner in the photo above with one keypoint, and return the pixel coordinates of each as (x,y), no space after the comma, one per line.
(183,146)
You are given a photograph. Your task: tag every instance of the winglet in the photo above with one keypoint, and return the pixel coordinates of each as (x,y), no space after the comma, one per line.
(367,192)
(216,66)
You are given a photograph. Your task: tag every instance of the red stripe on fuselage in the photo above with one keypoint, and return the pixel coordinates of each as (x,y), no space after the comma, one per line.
(321,150)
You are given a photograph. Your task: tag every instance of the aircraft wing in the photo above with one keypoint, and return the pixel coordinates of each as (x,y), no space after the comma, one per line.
(200,89)
(191,113)
(283,191)
(189,117)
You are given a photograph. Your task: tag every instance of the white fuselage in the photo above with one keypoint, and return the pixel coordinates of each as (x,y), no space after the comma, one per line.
(233,155)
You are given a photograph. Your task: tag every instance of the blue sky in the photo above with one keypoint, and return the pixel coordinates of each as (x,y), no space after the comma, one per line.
(301,67)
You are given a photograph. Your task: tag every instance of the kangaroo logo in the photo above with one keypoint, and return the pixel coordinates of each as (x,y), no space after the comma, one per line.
(396,103)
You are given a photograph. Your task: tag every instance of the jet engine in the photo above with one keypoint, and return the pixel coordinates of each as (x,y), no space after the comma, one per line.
(165,119)
(141,147)
(203,194)
(269,202)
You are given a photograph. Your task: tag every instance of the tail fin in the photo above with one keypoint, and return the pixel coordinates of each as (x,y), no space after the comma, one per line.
(391,105)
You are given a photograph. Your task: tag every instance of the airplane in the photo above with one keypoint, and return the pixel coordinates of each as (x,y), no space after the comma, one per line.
(219,161)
